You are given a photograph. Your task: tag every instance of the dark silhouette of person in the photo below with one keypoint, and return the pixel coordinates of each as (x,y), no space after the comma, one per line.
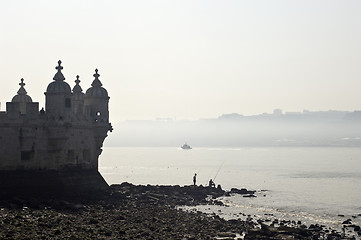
(211,183)
(195,179)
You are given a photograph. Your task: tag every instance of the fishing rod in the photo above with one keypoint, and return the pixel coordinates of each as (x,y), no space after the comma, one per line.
(219,170)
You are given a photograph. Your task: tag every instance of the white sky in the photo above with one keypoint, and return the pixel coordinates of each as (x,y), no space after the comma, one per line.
(188,59)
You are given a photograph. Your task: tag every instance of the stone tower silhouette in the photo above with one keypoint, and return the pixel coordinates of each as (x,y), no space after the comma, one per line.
(57,147)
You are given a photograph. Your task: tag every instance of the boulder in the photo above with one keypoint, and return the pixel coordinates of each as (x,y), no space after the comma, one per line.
(241,191)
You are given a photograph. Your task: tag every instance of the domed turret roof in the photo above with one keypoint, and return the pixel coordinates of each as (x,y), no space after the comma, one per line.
(22,94)
(58,85)
(97,90)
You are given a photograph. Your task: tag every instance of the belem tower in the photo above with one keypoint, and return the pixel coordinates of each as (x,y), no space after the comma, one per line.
(65,139)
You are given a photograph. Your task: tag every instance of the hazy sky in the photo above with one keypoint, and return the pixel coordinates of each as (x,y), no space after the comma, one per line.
(188,59)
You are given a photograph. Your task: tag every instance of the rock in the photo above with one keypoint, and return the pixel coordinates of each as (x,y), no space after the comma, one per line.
(348,221)
(93,221)
(226,235)
(219,203)
(315,227)
(241,191)
(249,195)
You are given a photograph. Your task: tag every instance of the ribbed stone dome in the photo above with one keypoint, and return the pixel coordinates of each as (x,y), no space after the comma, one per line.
(97,90)
(58,87)
(22,98)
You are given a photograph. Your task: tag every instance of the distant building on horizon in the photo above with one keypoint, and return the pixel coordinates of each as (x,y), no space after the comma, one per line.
(277,112)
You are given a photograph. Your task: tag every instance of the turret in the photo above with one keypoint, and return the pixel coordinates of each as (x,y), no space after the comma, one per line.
(96,109)
(22,98)
(78,99)
(96,102)
(22,104)
(58,96)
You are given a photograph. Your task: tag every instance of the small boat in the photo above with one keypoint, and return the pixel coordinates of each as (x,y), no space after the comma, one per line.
(186,146)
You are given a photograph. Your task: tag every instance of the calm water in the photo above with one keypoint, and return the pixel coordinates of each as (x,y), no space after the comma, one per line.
(309,184)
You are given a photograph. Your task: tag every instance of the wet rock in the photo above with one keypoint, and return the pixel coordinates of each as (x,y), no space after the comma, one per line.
(348,221)
(241,191)
(315,227)
(219,203)
(249,196)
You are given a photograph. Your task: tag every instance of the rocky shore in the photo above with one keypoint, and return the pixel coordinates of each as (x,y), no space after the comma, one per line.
(127,211)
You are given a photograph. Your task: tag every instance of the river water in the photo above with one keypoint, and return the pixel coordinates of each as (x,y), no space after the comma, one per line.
(313,185)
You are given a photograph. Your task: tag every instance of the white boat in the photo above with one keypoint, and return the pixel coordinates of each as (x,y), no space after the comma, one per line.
(186,146)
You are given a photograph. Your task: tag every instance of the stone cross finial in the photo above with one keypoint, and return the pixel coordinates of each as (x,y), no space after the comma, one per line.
(59,67)
(96,75)
(22,90)
(77,81)
(22,84)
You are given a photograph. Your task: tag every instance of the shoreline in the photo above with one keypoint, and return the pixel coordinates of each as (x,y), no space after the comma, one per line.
(128,211)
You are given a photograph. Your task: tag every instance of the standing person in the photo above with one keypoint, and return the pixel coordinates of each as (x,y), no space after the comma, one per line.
(195,179)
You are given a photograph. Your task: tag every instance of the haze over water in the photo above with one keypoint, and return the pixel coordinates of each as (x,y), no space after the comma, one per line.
(309,184)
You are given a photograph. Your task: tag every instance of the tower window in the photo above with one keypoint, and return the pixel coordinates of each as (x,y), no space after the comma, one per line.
(67,103)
